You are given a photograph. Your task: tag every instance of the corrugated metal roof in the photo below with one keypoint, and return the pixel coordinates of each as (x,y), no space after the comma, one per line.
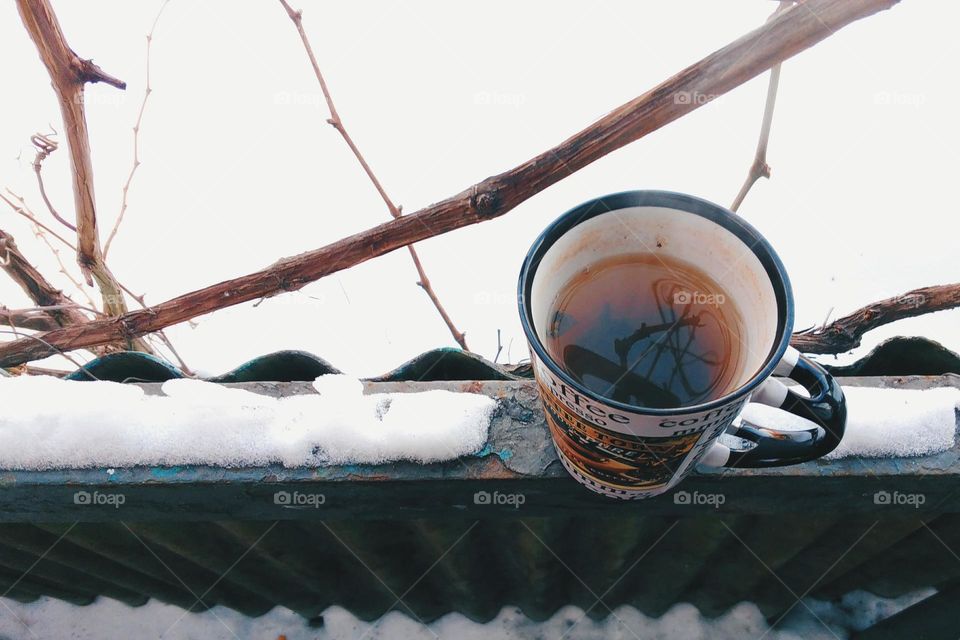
(478,566)
(897,356)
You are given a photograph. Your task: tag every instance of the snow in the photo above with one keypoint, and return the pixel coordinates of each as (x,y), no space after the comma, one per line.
(106,424)
(882,422)
(110,620)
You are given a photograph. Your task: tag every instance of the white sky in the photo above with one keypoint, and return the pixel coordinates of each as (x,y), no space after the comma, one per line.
(240,168)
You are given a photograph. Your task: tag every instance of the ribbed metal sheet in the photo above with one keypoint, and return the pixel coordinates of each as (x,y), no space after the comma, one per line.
(427,568)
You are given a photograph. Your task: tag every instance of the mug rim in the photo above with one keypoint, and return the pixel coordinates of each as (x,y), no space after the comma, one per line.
(717,214)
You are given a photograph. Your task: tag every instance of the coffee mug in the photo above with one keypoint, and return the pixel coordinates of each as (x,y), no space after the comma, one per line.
(632,452)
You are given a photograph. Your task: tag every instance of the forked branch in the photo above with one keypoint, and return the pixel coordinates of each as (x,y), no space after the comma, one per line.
(296,17)
(69,74)
(780,38)
(61,309)
(844,334)
(759,168)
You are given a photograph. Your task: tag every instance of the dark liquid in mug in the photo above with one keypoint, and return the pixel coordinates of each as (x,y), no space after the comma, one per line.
(647,330)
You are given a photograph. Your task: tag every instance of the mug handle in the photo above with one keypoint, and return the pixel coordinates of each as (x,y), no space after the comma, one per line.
(826,408)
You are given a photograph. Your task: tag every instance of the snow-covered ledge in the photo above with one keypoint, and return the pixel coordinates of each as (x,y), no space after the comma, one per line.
(512,456)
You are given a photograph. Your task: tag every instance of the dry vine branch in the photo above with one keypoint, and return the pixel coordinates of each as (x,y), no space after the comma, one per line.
(136,137)
(844,334)
(21,209)
(62,309)
(782,37)
(296,16)
(40,230)
(760,168)
(69,74)
(28,319)
(45,146)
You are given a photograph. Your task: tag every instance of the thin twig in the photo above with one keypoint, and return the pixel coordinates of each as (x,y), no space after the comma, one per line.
(760,168)
(395,211)
(27,319)
(161,335)
(54,350)
(40,230)
(53,307)
(25,211)
(37,231)
(844,334)
(136,137)
(499,348)
(721,71)
(45,146)
(33,283)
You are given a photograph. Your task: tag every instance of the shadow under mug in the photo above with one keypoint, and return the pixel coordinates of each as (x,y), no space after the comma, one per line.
(634,452)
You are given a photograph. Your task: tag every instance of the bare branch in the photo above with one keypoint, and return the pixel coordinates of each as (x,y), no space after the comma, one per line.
(63,310)
(41,230)
(23,210)
(159,335)
(28,319)
(136,137)
(844,334)
(337,123)
(69,74)
(760,168)
(784,36)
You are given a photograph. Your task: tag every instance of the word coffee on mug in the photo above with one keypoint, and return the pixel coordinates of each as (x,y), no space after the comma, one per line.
(652,318)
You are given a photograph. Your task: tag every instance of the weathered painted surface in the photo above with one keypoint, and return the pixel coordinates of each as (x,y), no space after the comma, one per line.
(518,458)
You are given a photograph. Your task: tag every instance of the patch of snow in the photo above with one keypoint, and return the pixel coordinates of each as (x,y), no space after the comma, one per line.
(882,422)
(108,619)
(106,424)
